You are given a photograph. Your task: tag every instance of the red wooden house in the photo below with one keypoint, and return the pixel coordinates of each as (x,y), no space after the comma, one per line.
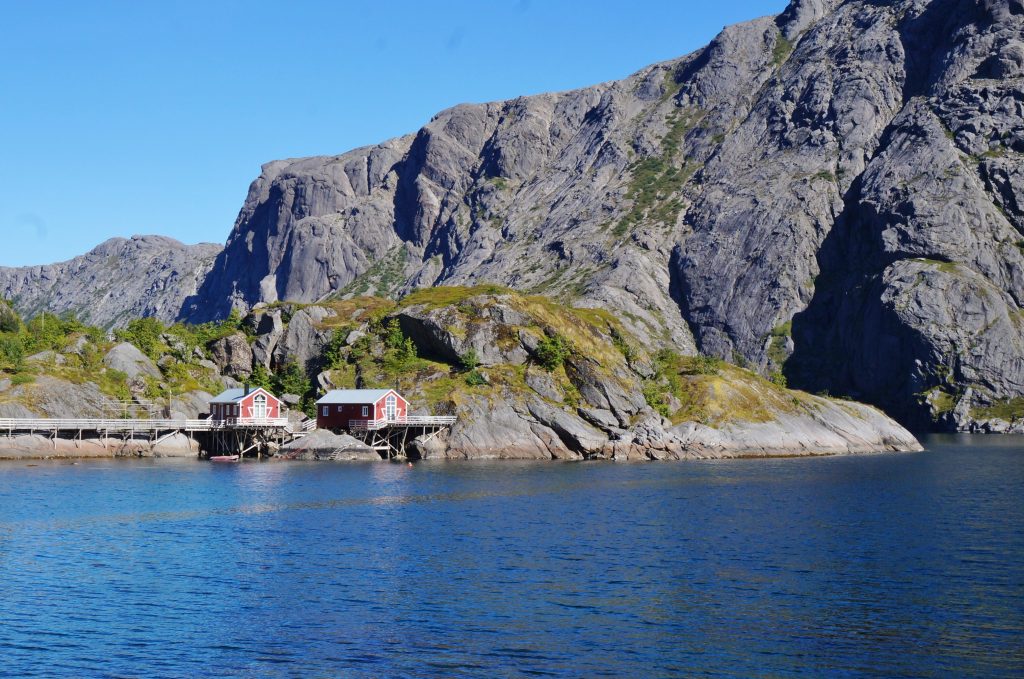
(338,408)
(245,404)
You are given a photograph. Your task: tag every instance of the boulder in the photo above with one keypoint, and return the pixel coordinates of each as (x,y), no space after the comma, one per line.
(269,330)
(128,359)
(450,333)
(324,445)
(233,355)
(304,339)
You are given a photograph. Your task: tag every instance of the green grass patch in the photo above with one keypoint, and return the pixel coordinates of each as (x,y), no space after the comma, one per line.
(656,179)
(783,48)
(950,268)
(383,277)
(777,351)
(446,295)
(1008,409)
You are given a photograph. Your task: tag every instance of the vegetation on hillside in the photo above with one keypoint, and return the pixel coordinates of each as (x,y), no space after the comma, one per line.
(571,348)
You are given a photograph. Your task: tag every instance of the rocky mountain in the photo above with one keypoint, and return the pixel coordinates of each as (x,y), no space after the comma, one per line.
(835,194)
(119,280)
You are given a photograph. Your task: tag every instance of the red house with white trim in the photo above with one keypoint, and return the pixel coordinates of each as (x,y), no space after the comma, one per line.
(338,408)
(245,404)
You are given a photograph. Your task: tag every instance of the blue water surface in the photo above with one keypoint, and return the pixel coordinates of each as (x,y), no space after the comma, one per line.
(886,565)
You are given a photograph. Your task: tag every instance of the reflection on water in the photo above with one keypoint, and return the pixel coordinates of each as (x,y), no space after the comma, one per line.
(883,565)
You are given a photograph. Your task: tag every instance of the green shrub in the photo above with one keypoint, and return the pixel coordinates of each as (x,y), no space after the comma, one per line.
(624,347)
(261,377)
(552,351)
(475,379)
(144,333)
(778,379)
(9,319)
(704,365)
(292,379)
(23,378)
(47,331)
(655,396)
(12,352)
(335,352)
(469,361)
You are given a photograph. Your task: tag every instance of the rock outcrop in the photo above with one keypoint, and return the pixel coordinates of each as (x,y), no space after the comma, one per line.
(127,358)
(233,355)
(325,446)
(120,280)
(551,382)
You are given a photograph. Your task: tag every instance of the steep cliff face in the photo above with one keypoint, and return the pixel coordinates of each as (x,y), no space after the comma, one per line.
(120,280)
(835,193)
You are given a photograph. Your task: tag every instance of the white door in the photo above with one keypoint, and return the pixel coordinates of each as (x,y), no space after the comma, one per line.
(391,407)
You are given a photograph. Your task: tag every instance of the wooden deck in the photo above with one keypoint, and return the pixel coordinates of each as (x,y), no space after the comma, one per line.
(121,426)
(233,435)
(409,421)
(391,436)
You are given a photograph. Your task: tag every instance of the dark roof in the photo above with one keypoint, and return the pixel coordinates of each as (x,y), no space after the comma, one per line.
(354,396)
(235,395)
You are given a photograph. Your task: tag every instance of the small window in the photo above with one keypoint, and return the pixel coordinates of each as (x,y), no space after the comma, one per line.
(366,411)
(327,410)
(339,409)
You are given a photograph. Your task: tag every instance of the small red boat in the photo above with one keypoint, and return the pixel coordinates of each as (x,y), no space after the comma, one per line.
(224,458)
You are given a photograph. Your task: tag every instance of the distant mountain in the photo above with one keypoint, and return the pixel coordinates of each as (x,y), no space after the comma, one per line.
(836,193)
(120,280)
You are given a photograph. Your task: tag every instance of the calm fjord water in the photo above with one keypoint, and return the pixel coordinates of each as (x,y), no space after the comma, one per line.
(888,565)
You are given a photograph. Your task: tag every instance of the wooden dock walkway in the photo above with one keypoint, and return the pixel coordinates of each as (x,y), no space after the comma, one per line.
(232,435)
(119,425)
(391,436)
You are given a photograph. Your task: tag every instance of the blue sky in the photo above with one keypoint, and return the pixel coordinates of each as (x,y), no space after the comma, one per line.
(121,118)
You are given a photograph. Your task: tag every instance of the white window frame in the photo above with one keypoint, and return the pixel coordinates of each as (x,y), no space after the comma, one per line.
(327,410)
(366,411)
(257,401)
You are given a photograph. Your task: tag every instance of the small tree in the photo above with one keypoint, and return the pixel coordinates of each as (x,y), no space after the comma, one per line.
(552,351)
(469,361)
(12,353)
(9,319)
(261,377)
(292,379)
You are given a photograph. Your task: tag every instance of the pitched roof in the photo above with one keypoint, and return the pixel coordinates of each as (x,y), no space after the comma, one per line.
(235,395)
(353,396)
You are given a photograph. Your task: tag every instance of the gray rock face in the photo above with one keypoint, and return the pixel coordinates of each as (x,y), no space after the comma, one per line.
(233,355)
(118,281)
(451,333)
(749,200)
(730,413)
(323,445)
(304,339)
(132,362)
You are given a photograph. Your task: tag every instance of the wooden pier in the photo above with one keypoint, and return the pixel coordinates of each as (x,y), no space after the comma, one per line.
(232,435)
(390,436)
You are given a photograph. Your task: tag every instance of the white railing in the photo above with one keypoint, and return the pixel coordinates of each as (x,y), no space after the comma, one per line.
(107,424)
(309,425)
(235,422)
(408,421)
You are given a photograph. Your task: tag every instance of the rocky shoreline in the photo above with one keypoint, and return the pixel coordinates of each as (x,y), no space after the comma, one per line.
(38,447)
